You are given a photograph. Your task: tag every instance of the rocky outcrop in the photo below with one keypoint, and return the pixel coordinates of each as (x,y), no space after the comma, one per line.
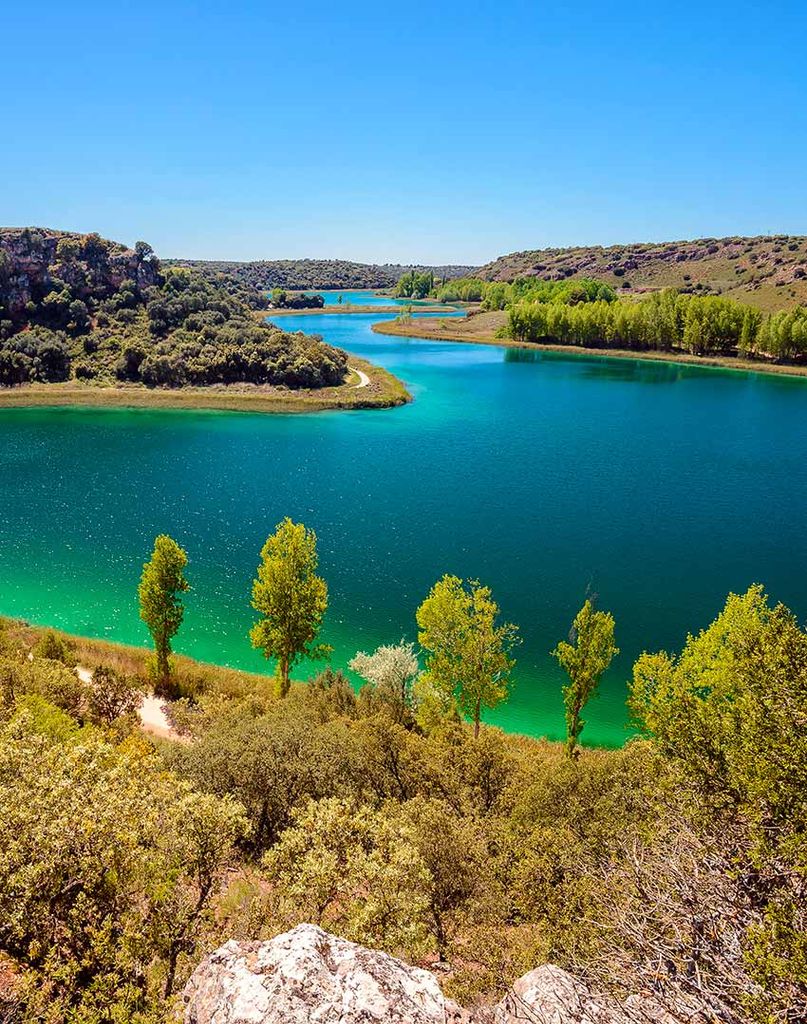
(32,263)
(307,976)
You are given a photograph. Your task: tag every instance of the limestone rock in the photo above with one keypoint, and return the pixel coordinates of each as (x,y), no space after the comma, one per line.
(307,976)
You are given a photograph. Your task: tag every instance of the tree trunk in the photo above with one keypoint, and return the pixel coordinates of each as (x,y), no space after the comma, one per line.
(477,716)
(283,668)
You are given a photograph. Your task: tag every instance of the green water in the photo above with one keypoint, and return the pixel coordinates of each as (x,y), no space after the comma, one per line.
(660,487)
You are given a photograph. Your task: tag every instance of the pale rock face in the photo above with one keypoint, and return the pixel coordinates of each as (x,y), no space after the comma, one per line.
(307,976)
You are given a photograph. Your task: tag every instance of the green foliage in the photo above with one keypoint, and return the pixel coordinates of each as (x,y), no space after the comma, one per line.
(111,696)
(729,714)
(161,608)
(353,870)
(290,597)
(100,312)
(415,284)
(55,648)
(665,321)
(107,869)
(584,658)
(500,295)
(468,657)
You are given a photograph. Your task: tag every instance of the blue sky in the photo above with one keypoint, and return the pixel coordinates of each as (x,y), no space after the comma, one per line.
(437,132)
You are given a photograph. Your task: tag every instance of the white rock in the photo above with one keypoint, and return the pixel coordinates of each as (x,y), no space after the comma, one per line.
(307,976)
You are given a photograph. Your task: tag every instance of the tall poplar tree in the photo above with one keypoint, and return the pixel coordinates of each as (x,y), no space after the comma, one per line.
(291,599)
(585,656)
(161,607)
(468,654)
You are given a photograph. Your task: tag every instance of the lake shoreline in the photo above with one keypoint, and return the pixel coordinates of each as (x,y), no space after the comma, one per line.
(268,314)
(419,329)
(368,387)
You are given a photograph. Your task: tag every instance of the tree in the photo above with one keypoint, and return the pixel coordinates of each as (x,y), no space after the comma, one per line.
(355,870)
(584,658)
(291,598)
(728,715)
(161,607)
(111,695)
(390,670)
(468,654)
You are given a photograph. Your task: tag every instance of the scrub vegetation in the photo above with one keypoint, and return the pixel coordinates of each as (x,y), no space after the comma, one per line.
(675,865)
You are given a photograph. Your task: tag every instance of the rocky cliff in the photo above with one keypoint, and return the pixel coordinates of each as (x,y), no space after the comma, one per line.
(37,261)
(307,976)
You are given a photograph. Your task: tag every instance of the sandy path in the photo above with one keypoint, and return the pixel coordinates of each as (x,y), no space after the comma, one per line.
(151,712)
(364,380)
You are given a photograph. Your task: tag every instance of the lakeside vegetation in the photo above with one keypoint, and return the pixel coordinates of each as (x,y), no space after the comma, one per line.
(77,319)
(674,865)
(587,313)
(86,321)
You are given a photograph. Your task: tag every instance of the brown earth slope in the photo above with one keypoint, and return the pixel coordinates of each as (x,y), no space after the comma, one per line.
(769,271)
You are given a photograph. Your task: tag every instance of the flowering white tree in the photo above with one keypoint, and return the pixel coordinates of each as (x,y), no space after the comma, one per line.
(390,670)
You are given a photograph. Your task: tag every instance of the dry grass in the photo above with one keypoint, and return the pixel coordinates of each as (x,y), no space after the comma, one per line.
(192,677)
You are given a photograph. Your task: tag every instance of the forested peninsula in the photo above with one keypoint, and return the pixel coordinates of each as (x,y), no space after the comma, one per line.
(84,320)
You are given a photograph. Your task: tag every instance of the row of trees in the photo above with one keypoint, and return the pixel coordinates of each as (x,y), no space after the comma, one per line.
(415,284)
(468,651)
(664,321)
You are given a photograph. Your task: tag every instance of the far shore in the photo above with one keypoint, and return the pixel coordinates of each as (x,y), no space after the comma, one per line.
(437,330)
(367,387)
(264,314)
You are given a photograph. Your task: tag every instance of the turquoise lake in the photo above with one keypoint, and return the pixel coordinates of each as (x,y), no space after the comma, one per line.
(659,487)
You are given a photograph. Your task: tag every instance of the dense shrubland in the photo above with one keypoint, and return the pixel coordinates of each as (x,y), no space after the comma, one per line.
(94,311)
(675,865)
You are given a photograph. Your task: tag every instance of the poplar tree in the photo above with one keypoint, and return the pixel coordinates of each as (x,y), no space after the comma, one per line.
(584,657)
(291,599)
(468,654)
(161,607)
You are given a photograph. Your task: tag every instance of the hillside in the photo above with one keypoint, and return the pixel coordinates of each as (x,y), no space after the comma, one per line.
(769,272)
(320,274)
(80,307)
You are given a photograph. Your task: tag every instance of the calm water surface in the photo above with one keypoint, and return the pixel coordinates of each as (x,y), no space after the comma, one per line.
(659,487)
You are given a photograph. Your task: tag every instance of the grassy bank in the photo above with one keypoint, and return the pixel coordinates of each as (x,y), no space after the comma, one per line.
(384,391)
(193,677)
(483,328)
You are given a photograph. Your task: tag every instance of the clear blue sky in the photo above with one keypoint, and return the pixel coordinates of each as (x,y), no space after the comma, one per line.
(439,132)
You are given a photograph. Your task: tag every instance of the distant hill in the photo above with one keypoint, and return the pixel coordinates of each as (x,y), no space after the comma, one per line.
(769,271)
(315,274)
